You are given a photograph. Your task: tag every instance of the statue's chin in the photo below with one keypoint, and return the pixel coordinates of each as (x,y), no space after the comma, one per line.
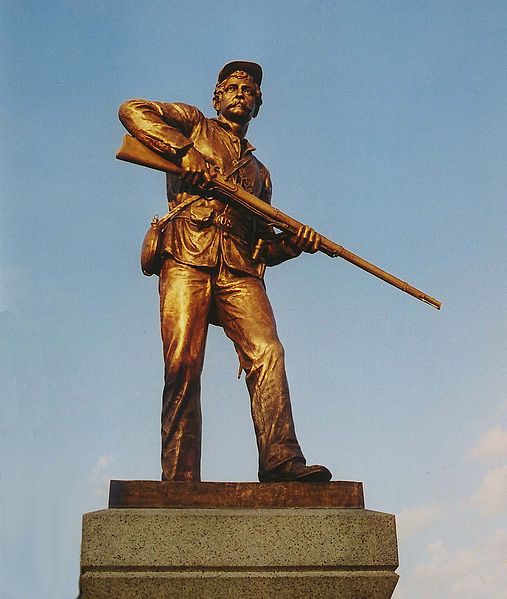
(240,119)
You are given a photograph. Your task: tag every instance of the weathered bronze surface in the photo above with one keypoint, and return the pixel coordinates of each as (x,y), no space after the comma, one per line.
(165,494)
(208,274)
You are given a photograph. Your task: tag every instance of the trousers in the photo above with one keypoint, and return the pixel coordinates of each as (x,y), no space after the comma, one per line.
(187,296)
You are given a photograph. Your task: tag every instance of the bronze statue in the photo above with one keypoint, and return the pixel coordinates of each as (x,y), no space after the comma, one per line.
(211,260)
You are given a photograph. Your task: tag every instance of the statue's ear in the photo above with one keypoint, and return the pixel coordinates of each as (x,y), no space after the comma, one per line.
(216,101)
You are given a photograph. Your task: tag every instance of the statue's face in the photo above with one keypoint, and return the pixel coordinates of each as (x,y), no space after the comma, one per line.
(237,102)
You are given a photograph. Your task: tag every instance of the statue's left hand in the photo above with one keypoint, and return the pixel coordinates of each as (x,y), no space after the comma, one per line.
(306,239)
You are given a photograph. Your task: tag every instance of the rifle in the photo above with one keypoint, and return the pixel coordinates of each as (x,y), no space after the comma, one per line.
(134,151)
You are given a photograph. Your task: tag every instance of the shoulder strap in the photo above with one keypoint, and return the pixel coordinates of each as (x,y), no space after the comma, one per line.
(235,167)
(162,222)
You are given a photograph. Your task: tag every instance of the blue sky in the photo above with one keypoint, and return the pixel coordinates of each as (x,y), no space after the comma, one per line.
(383,126)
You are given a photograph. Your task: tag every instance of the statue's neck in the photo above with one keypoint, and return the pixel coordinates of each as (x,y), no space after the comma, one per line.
(237,129)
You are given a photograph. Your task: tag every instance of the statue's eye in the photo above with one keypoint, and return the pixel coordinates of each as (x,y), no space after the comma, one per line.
(232,88)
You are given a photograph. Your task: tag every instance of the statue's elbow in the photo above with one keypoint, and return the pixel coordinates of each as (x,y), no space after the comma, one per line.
(127,111)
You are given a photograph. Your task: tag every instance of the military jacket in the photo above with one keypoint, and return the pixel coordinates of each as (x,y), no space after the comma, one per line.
(196,235)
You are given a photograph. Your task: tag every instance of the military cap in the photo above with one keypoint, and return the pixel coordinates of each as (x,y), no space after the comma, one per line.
(252,68)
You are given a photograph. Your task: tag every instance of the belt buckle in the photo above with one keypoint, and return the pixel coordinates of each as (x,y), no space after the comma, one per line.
(224,221)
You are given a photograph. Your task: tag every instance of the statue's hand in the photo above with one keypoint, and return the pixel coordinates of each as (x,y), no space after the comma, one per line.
(195,172)
(306,239)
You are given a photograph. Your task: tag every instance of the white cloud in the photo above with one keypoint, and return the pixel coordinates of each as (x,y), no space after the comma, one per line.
(99,477)
(477,567)
(102,463)
(491,497)
(478,572)
(493,444)
(412,520)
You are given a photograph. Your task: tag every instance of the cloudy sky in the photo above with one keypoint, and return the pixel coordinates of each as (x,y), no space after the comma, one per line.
(383,125)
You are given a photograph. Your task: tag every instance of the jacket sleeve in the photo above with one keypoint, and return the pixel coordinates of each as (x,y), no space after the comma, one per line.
(275,248)
(163,127)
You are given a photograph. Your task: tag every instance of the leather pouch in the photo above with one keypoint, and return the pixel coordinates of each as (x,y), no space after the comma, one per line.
(151,250)
(151,259)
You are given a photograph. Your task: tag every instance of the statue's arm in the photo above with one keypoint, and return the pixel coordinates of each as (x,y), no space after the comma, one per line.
(276,249)
(167,129)
(163,127)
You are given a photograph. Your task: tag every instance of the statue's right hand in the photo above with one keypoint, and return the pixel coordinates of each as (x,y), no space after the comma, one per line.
(194,170)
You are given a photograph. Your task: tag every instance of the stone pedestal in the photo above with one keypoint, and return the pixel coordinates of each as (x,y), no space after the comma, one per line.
(251,553)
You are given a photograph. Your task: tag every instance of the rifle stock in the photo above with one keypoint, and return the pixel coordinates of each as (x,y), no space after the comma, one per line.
(134,151)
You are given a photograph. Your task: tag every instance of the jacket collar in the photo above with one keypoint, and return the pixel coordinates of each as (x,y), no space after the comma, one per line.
(248,147)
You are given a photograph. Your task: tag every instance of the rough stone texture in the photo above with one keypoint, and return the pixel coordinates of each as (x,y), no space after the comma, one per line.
(226,553)
(244,585)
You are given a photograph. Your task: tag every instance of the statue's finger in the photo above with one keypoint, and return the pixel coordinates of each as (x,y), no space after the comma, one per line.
(207,177)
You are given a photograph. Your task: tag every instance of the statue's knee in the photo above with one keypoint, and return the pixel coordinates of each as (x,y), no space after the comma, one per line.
(270,351)
(277,350)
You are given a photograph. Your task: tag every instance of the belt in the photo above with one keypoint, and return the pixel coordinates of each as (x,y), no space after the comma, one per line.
(225,223)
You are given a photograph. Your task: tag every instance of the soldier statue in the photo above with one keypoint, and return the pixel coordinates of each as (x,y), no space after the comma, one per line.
(212,261)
